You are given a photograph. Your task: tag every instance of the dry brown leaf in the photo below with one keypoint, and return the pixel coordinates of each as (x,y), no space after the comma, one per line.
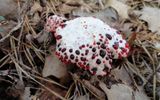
(122,92)
(122,75)
(139,95)
(64,9)
(120,7)
(126,28)
(16,90)
(45,95)
(26,95)
(94,90)
(157,45)
(152,16)
(34,12)
(40,37)
(108,15)
(84,97)
(53,66)
(35,8)
(36,18)
(8,8)
(5,29)
(117,92)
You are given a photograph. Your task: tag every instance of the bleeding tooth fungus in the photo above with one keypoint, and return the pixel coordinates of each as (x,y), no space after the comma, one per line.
(88,42)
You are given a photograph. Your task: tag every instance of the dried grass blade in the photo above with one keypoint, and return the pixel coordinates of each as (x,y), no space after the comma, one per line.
(28,55)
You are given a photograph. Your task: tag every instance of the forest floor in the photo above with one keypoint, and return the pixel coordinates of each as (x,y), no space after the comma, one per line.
(29,69)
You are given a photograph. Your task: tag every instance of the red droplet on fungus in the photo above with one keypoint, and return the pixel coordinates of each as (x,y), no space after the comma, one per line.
(82,54)
(124,50)
(127,45)
(119,56)
(58,37)
(109,36)
(62,25)
(93,56)
(64,49)
(116,46)
(83,46)
(120,41)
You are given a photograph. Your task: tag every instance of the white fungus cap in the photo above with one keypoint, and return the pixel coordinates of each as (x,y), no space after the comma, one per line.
(88,42)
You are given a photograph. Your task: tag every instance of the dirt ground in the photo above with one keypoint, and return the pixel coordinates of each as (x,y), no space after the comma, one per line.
(30,70)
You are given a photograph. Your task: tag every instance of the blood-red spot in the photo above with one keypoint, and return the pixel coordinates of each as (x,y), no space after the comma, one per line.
(61,58)
(80,64)
(83,66)
(102,53)
(120,41)
(94,49)
(83,46)
(64,61)
(86,52)
(87,67)
(127,45)
(94,70)
(77,52)
(56,53)
(69,61)
(94,43)
(80,47)
(108,49)
(98,61)
(58,37)
(72,56)
(64,49)
(106,69)
(76,60)
(98,43)
(70,50)
(103,46)
(66,57)
(115,46)
(107,58)
(93,56)
(109,36)
(83,59)
(124,50)
(119,56)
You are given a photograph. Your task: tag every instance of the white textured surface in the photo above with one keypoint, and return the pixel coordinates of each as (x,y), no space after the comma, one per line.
(86,32)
